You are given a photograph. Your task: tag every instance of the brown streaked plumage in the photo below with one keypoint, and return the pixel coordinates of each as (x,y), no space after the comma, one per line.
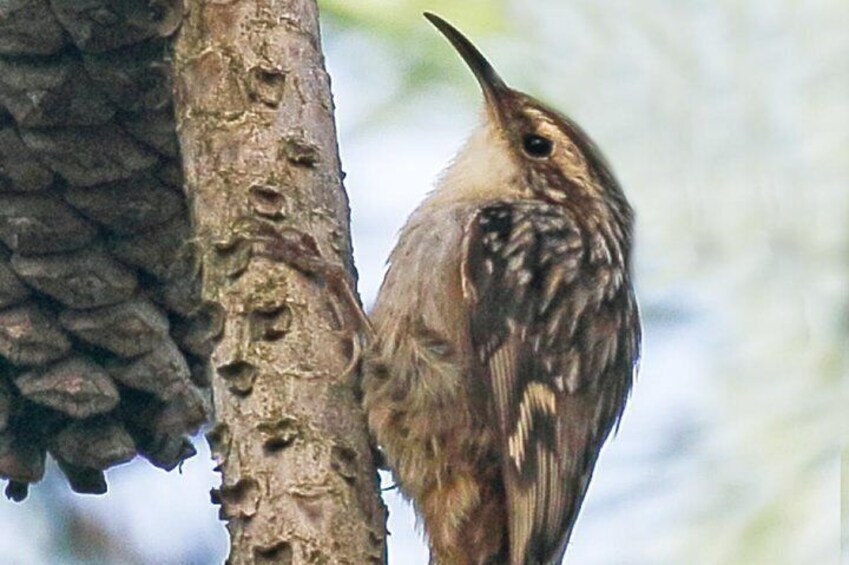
(506,334)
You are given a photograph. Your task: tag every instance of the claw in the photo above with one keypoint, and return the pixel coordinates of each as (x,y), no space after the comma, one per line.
(351,369)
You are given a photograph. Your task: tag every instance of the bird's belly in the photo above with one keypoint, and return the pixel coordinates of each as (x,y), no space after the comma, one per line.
(424,410)
(442,453)
(424,420)
(415,383)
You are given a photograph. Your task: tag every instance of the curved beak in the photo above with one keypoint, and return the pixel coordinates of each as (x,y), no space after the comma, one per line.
(494,88)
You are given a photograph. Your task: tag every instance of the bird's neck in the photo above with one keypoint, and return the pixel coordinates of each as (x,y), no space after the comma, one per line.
(483,170)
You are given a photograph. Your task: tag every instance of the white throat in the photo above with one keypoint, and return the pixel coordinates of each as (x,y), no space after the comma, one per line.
(483,169)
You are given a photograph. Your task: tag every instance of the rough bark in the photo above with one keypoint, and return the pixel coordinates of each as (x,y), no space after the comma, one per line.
(255,122)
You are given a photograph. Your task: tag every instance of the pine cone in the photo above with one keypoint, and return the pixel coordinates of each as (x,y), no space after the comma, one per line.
(104,340)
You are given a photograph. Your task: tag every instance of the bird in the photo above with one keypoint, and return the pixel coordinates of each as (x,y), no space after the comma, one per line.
(506,333)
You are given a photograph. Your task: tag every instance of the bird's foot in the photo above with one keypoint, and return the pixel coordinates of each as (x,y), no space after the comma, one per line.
(300,251)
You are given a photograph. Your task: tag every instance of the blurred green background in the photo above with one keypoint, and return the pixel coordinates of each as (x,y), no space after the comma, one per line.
(728,125)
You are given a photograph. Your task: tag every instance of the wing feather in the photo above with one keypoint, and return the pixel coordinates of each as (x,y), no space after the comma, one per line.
(552,356)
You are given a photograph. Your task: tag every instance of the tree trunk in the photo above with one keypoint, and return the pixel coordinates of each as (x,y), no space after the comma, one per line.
(255,122)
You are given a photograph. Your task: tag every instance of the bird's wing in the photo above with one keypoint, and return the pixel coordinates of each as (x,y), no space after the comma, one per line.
(556,334)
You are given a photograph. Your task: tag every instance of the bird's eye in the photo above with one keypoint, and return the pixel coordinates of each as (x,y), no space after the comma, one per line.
(537,146)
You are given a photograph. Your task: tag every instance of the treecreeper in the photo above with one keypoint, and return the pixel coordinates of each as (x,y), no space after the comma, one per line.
(506,334)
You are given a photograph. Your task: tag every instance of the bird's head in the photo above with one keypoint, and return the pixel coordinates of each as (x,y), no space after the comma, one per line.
(524,148)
